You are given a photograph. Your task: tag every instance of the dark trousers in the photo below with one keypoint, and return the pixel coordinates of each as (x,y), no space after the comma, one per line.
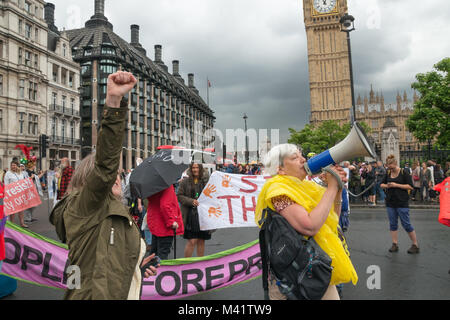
(161,246)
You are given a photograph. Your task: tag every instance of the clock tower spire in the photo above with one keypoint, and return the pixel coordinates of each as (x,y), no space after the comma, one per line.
(329,71)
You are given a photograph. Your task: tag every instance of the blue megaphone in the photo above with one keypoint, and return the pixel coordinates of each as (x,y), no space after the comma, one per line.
(355,145)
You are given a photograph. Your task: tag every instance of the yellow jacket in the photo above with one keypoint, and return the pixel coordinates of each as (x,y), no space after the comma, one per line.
(308,195)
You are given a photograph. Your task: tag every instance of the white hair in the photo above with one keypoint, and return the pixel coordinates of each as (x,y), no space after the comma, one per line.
(274,159)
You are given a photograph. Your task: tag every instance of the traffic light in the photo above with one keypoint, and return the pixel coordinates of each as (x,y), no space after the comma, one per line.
(45,143)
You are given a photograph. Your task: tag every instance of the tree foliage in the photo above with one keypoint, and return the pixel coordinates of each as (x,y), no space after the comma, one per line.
(323,137)
(430,119)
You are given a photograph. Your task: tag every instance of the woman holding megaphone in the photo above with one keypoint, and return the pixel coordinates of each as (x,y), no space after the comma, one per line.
(309,208)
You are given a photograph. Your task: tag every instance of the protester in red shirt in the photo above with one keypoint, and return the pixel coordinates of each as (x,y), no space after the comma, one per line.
(163,218)
(66,176)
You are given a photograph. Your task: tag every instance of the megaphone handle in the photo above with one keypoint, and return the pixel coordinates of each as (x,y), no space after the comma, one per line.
(338,178)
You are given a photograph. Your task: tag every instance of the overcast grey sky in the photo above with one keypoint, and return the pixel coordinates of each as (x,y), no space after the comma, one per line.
(254,51)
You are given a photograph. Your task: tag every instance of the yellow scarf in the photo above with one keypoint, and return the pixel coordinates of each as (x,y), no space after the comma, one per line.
(308,195)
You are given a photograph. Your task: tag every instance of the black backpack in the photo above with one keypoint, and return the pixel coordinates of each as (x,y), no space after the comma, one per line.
(301,268)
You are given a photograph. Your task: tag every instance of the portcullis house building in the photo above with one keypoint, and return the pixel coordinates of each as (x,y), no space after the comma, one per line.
(160,104)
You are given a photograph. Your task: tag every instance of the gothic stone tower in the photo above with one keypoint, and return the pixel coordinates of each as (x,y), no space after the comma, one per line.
(329,73)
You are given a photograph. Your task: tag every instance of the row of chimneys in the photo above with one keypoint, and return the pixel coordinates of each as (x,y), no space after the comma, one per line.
(99,13)
(158,56)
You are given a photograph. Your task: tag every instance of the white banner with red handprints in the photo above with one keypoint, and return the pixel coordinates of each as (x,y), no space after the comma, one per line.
(229,201)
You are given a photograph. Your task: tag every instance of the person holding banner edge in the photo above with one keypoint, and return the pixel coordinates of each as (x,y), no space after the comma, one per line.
(14,175)
(309,208)
(188,194)
(103,240)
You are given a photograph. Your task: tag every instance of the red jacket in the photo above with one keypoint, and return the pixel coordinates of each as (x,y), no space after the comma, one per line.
(2,222)
(444,189)
(163,211)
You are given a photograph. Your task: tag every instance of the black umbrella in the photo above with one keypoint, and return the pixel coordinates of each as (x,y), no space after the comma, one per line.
(159,172)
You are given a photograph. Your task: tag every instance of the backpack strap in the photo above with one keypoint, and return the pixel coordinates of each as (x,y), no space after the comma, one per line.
(263,246)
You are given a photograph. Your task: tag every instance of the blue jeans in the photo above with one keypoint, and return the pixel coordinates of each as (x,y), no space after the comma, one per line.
(380,191)
(148,237)
(403,214)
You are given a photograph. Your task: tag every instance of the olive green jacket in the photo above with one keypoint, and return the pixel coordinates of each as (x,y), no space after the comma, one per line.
(104,242)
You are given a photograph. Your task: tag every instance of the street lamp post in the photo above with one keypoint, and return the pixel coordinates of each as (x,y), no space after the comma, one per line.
(246,140)
(347,26)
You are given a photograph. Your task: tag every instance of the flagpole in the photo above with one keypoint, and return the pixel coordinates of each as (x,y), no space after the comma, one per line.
(207,90)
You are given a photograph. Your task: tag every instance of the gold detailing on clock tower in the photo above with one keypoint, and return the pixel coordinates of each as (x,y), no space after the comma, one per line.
(329,72)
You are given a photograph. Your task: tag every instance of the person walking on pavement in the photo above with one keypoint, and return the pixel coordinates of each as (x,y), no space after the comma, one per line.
(425,179)
(380,172)
(12,176)
(369,177)
(164,220)
(416,174)
(103,240)
(31,172)
(66,176)
(188,194)
(397,183)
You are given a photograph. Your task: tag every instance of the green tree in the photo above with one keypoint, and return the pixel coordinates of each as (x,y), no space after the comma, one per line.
(320,138)
(430,119)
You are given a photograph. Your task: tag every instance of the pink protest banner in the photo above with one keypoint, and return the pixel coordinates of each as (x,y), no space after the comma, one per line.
(20,195)
(187,277)
(35,259)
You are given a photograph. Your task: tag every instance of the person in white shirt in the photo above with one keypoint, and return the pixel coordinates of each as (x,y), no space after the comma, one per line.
(13,175)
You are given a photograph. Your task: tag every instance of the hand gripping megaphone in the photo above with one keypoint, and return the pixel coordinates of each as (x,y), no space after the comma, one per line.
(355,145)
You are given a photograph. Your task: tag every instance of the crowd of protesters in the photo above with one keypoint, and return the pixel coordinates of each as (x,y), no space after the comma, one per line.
(53,181)
(112,235)
(253,169)
(365,180)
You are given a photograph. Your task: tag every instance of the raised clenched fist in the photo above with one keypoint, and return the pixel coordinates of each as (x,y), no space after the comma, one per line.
(119,84)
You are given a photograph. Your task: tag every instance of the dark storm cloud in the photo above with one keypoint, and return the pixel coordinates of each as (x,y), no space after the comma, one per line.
(254,51)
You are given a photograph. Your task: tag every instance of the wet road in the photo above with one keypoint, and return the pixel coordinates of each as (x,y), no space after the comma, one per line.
(382,275)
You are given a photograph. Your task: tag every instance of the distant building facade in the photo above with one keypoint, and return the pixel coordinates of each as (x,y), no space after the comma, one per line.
(160,104)
(328,63)
(379,115)
(23,77)
(63,121)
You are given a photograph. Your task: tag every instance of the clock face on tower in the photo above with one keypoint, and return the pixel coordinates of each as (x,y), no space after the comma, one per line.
(324,6)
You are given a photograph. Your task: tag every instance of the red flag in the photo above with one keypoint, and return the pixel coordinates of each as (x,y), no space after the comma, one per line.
(209,84)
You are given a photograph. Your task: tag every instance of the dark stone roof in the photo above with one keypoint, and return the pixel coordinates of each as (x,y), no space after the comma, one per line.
(98,33)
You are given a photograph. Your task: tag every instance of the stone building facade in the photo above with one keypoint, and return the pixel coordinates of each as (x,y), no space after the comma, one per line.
(160,104)
(23,77)
(330,84)
(63,121)
(328,53)
(377,114)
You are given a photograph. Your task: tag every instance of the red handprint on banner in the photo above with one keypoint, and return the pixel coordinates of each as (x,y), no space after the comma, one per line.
(209,190)
(215,212)
(226,181)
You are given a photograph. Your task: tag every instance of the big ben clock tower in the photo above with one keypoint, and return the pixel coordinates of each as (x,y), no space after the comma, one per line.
(329,72)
